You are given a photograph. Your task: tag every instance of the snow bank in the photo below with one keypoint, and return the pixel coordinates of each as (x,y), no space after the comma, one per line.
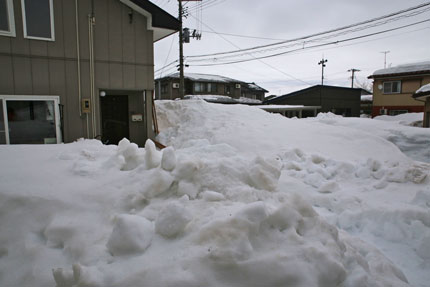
(240,198)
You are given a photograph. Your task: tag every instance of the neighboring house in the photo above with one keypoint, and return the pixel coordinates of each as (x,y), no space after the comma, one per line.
(393,88)
(338,100)
(423,94)
(78,69)
(167,88)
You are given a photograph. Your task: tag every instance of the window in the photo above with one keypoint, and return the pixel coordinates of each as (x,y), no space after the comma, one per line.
(7,20)
(164,88)
(227,90)
(198,87)
(392,87)
(29,120)
(398,112)
(38,19)
(212,87)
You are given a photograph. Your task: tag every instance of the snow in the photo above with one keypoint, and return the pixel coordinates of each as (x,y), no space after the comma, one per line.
(406,68)
(222,99)
(367,98)
(241,197)
(423,89)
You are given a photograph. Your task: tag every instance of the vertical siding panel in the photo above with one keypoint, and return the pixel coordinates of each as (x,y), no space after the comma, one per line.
(115,76)
(73,124)
(22,76)
(57,84)
(38,48)
(6,78)
(84,10)
(115,37)
(5,44)
(56,48)
(128,34)
(19,45)
(69,28)
(140,42)
(129,76)
(102,75)
(101,35)
(40,72)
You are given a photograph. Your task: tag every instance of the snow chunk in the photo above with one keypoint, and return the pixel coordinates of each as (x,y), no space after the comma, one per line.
(265,173)
(152,155)
(168,159)
(129,155)
(131,234)
(212,195)
(172,220)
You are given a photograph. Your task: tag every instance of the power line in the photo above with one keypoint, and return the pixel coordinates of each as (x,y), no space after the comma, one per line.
(328,31)
(270,66)
(314,46)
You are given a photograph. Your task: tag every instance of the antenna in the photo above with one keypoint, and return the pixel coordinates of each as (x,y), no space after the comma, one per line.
(385,58)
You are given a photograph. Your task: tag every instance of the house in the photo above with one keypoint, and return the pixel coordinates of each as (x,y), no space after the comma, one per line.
(167,88)
(393,88)
(78,69)
(423,94)
(338,100)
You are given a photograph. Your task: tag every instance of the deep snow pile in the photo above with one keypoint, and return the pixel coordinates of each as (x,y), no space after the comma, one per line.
(241,198)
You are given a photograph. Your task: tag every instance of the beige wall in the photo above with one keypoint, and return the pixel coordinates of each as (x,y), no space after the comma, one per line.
(408,87)
(123,58)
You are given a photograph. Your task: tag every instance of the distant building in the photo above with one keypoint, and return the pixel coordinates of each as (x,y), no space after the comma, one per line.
(338,100)
(423,94)
(167,88)
(393,88)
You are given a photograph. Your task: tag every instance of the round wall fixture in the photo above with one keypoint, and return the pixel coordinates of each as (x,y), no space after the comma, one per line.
(102,93)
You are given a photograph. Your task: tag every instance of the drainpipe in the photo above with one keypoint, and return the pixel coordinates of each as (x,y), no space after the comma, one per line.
(91,23)
(78,55)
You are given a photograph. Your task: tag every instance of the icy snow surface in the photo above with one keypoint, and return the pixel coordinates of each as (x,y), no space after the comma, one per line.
(423,89)
(240,198)
(405,68)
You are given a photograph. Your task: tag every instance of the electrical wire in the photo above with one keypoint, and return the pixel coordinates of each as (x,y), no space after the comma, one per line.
(315,46)
(323,33)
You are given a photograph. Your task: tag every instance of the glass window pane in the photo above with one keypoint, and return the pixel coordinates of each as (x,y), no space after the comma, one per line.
(387,87)
(2,127)
(396,87)
(31,122)
(4,16)
(38,18)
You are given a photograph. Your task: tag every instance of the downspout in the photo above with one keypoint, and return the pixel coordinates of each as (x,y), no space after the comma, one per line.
(91,22)
(78,55)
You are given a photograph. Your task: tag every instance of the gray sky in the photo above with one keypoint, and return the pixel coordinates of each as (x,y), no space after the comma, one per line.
(286,19)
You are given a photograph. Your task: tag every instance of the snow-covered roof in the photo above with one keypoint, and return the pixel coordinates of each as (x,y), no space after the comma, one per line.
(367,98)
(197,77)
(204,77)
(424,91)
(222,99)
(404,69)
(286,107)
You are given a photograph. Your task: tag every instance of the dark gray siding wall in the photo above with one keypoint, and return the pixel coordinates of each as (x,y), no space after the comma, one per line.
(123,58)
(328,98)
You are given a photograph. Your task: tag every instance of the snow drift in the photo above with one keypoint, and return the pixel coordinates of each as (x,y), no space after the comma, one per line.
(240,198)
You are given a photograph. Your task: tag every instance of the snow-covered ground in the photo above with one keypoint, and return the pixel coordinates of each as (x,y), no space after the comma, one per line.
(240,198)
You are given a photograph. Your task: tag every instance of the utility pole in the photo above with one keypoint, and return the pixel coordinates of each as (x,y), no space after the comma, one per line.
(352,76)
(184,37)
(385,58)
(322,63)
(181,54)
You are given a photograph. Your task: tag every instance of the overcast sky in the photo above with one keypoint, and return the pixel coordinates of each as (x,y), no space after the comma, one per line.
(286,19)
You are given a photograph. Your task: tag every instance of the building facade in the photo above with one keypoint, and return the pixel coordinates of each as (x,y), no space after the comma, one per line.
(78,69)
(167,88)
(393,88)
(338,100)
(423,95)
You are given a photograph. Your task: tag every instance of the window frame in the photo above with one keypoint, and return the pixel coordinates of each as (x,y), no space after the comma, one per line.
(24,23)
(57,119)
(391,85)
(11,18)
